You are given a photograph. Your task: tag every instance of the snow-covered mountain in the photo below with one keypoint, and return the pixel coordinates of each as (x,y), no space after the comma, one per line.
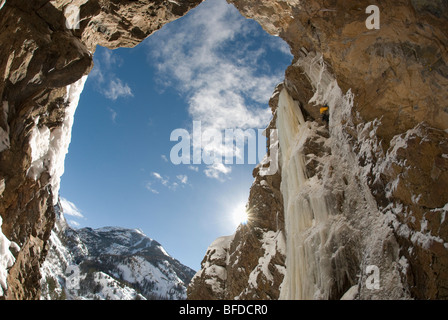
(109,263)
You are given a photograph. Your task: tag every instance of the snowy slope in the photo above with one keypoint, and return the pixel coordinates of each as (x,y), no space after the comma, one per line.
(110,263)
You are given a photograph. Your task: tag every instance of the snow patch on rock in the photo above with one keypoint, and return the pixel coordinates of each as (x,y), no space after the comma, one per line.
(49,147)
(7,259)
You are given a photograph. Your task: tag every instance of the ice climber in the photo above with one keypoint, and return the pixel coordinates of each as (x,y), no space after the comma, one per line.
(324,113)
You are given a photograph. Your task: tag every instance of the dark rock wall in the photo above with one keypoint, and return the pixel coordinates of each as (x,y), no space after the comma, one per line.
(39,57)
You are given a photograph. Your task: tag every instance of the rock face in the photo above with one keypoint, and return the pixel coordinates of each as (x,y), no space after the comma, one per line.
(110,263)
(40,59)
(380,167)
(366,193)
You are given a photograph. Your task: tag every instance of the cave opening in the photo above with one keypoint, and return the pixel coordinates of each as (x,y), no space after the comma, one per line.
(42,60)
(213,66)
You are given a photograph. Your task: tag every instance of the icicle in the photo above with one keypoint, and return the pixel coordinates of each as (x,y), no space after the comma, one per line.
(306,211)
(305,205)
(49,148)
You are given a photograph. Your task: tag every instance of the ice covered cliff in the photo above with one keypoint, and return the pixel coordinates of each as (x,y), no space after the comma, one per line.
(364,206)
(43,64)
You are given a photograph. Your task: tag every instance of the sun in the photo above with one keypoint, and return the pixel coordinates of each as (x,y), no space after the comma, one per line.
(239,214)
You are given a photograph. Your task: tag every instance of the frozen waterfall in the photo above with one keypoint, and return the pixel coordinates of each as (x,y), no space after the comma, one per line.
(305,206)
(335,232)
(310,227)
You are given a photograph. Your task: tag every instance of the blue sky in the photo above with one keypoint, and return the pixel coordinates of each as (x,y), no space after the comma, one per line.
(212,66)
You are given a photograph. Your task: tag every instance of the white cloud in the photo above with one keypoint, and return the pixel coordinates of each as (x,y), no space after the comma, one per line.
(220,77)
(193,168)
(97,73)
(164,158)
(217,171)
(110,59)
(113,114)
(149,187)
(166,182)
(157,175)
(163,181)
(117,89)
(182,178)
(73,223)
(70,209)
(107,83)
(279,44)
